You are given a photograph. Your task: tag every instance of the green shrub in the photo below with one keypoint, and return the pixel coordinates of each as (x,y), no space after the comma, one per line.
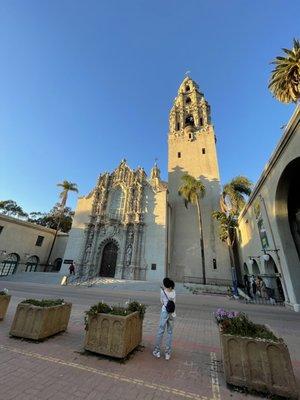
(44,302)
(242,326)
(136,306)
(103,308)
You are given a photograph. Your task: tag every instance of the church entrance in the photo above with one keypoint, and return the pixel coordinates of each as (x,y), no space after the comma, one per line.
(109,260)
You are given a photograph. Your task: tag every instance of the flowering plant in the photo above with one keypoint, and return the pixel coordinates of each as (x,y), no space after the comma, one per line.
(222,315)
(238,324)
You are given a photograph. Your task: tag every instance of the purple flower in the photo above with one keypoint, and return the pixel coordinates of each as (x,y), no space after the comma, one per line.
(222,315)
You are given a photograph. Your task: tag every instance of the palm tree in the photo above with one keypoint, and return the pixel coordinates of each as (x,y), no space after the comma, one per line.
(192,190)
(233,195)
(67,187)
(285,79)
(232,202)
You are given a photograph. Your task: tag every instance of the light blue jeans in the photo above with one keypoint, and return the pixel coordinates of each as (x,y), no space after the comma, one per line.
(166,320)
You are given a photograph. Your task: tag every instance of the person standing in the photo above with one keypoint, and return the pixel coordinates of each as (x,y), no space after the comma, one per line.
(72,269)
(263,288)
(253,285)
(247,285)
(167,315)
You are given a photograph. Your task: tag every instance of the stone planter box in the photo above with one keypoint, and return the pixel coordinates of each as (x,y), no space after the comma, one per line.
(113,335)
(257,364)
(4,302)
(37,323)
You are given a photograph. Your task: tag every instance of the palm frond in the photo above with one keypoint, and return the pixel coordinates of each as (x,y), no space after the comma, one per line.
(285,78)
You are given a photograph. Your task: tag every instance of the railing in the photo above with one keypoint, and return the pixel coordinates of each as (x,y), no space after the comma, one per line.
(209,281)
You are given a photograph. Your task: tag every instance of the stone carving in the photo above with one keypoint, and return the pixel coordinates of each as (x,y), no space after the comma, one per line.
(87,254)
(130,211)
(128,255)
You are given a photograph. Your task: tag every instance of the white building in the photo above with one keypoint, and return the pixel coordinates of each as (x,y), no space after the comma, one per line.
(25,247)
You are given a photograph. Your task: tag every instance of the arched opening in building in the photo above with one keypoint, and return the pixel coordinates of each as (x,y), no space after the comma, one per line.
(187,88)
(272,280)
(287,211)
(109,260)
(10,264)
(188,100)
(57,265)
(189,121)
(31,264)
(245,269)
(255,268)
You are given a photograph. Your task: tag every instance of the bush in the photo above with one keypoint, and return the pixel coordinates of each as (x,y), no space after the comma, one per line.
(103,308)
(44,302)
(238,324)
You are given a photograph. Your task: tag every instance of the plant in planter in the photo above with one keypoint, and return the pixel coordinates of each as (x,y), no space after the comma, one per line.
(4,302)
(39,319)
(114,330)
(253,357)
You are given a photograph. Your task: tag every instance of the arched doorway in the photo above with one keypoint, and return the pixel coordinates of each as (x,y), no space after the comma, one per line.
(245,269)
(10,264)
(287,210)
(109,260)
(32,264)
(57,265)
(273,280)
(255,268)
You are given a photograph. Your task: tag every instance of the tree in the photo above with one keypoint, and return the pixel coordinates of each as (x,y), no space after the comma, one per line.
(11,208)
(233,199)
(50,219)
(67,187)
(233,195)
(285,79)
(192,190)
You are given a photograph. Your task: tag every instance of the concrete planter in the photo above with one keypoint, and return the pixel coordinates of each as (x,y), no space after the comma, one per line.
(258,364)
(113,335)
(33,322)
(4,302)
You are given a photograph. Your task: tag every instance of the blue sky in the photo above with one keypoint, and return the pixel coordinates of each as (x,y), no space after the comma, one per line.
(86,83)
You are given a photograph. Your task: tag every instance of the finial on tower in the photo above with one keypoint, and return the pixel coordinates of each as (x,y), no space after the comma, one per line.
(155,171)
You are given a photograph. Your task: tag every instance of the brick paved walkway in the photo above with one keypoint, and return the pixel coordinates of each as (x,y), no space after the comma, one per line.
(59,369)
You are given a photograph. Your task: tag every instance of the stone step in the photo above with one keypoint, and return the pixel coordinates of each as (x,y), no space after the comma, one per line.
(122,284)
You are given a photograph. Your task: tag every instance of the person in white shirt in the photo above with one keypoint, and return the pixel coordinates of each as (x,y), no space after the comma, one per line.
(167,294)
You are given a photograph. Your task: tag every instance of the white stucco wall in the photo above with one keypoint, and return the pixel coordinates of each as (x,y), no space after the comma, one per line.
(75,246)
(155,234)
(20,237)
(266,192)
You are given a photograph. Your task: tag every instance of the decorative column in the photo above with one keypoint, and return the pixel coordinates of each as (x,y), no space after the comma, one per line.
(130,237)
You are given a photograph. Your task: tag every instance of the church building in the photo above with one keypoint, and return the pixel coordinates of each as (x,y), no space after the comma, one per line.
(134,227)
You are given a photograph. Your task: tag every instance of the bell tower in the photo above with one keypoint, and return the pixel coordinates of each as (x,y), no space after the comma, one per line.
(192,150)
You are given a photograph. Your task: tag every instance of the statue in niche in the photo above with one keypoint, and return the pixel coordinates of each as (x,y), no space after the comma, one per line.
(128,254)
(130,236)
(87,253)
(91,233)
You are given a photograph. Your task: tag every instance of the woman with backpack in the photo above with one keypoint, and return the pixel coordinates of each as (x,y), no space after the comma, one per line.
(167,315)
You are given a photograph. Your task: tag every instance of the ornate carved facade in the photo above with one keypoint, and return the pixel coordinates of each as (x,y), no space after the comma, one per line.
(115,234)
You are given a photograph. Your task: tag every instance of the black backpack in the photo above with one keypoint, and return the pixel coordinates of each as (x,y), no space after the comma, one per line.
(170,307)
